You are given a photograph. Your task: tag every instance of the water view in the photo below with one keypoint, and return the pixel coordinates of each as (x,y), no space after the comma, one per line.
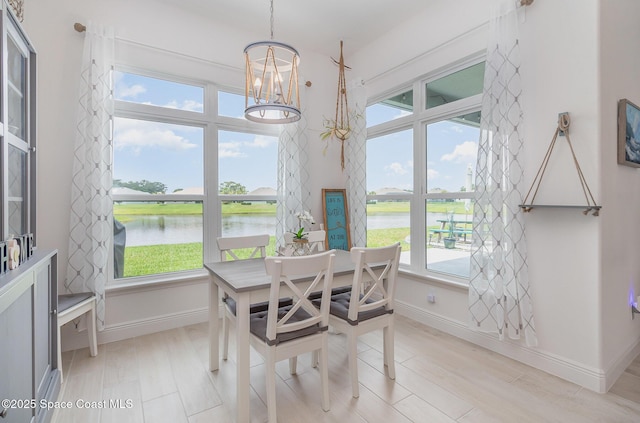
(167,229)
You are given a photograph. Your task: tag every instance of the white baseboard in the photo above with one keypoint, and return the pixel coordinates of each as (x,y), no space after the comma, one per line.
(614,371)
(594,379)
(590,378)
(73,340)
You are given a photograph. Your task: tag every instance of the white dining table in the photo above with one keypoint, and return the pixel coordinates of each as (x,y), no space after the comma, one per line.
(247,282)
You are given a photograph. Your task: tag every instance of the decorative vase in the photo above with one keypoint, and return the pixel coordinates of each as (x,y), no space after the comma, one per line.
(300,246)
(342,133)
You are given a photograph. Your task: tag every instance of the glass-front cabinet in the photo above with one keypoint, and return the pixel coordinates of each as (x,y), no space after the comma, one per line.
(28,294)
(17,130)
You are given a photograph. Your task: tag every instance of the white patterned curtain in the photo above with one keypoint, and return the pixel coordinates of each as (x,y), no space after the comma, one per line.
(91,221)
(293,175)
(356,165)
(499,298)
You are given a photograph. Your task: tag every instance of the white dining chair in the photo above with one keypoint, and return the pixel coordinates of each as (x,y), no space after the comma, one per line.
(374,279)
(281,333)
(253,246)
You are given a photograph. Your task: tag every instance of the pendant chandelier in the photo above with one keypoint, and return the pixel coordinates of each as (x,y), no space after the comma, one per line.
(271,87)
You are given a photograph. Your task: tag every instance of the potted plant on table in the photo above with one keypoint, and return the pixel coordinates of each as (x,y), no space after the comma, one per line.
(300,236)
(450,239)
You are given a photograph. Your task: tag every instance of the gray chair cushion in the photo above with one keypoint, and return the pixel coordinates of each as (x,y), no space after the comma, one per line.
(257,307)
(318,294)
(340,308)
(66,301)
(258,326)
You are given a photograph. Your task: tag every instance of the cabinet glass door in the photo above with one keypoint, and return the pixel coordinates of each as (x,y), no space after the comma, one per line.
(18,142)
(17,213)
(17,82)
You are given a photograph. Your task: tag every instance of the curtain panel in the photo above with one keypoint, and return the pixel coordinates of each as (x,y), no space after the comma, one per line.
(356,165)
(499,290)
(293,175)
(91,219)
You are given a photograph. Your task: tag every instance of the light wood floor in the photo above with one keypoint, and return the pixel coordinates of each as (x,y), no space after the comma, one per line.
(439,378)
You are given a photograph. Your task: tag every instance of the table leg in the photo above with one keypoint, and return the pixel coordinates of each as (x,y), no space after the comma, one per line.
(214,324)
(242,358)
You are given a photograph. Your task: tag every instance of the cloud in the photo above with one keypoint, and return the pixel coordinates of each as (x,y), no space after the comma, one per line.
(235,149)
(139,134)
(261,141)
(457,128)
(189,105)
(132,91)
(432,174)
(462,153)
(396,168)
(230,149)
(124,91)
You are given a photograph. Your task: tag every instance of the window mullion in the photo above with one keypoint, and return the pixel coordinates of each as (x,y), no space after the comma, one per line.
(211,204)
(418,211)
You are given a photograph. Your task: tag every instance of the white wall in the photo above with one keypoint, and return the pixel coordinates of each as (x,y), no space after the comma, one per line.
(620,230)
(581,267)
(560,73)
(144,29)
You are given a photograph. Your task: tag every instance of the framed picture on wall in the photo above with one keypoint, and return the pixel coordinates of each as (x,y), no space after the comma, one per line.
(336,219)
(628,133)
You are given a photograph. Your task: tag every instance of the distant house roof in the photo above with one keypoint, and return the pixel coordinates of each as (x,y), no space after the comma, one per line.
(191,191)
(390,190)
(125,191)
(263,191)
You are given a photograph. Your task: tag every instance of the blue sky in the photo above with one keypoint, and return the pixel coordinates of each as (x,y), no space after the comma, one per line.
(172,154)
(451,149)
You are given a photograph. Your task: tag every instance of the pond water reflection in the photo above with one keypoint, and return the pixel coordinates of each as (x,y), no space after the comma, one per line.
(167,229)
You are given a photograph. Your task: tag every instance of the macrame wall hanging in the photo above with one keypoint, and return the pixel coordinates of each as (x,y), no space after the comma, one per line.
(562,130)
(339,127)
(18,8)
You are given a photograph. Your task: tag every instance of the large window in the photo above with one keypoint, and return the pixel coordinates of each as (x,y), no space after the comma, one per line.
(169,151)
(420,170)
(158,176)
(247,188)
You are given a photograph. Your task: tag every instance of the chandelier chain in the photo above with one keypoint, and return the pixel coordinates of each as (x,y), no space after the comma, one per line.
(271,19)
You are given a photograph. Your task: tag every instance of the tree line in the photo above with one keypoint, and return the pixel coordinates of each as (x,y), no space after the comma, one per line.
(228,187)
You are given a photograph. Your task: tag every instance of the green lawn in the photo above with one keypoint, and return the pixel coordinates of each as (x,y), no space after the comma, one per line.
(146,260)
(152,259)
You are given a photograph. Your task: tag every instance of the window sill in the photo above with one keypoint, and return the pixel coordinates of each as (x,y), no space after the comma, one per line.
(157,282)
(197,276)
(440,279)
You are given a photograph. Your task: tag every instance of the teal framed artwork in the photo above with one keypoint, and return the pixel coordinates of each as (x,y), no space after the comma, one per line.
(336,219)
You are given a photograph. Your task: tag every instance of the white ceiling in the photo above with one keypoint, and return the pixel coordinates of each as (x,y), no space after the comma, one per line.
(318,25)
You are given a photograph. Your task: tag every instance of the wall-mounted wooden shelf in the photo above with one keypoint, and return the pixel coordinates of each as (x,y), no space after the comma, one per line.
(587,208)
(562,130)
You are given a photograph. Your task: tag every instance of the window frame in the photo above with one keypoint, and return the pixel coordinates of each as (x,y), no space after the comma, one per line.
(418,122)
(211,123)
